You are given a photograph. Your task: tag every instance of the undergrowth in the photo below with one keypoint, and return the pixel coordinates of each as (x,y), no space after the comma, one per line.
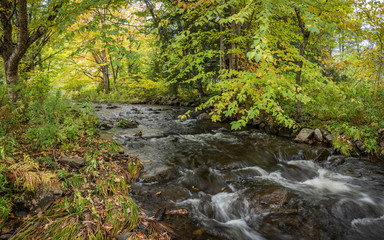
(35,134)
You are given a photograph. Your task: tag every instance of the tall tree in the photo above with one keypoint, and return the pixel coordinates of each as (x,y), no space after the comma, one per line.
(15,16)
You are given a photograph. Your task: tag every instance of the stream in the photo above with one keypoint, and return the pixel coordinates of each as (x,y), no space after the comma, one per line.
(246,184)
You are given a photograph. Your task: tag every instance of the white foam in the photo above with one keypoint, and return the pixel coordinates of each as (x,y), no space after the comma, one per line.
(365,221)
(367,199)
(306,163)
(244,228)
(258,169)
(322,184)
(222,202)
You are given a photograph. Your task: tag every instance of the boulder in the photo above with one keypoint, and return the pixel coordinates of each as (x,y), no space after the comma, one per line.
(318,135)
(76,162)
(360,145)
(38,199)
(305,135)
(204,116)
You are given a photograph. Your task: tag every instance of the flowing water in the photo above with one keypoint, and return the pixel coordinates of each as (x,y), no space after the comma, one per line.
(247,184)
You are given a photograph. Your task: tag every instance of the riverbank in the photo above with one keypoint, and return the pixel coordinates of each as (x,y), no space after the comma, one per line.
(59,179)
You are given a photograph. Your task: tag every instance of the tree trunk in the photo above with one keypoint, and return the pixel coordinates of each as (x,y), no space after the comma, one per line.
(12,78)
(222,53)
(101,59)
(303,47)
(104,70)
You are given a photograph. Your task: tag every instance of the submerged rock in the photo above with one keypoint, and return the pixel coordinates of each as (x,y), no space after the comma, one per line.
(165,175)
(127,123)
(323,156)
(110,106)
(103,125)
(275,202)
(305,135)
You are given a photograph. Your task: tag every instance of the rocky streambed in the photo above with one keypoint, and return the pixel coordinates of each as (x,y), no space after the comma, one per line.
(212,183)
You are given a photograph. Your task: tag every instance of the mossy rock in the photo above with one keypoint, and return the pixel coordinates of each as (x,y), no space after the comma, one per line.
(127,123)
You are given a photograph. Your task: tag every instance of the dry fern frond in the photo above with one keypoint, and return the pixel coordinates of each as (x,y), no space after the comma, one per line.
(27,174)
(4,111)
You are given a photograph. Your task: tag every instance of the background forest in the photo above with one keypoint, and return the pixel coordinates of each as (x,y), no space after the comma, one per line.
(291,64)
(295,63)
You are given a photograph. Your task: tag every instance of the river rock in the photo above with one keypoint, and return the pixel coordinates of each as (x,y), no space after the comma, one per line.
(271,129)
(76,162)
(127,123)
(124,235)
(305,135)
(204,116)
(162,176)
(323,156)
(318,135)
(275,202)
(110,106)
(103,125)
(6,236)
(38,199)
(286,132)
(360,145)
(329,138)
(256,121)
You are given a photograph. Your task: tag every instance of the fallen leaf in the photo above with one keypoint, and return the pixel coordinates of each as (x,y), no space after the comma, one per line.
(108,227)
(177,211)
